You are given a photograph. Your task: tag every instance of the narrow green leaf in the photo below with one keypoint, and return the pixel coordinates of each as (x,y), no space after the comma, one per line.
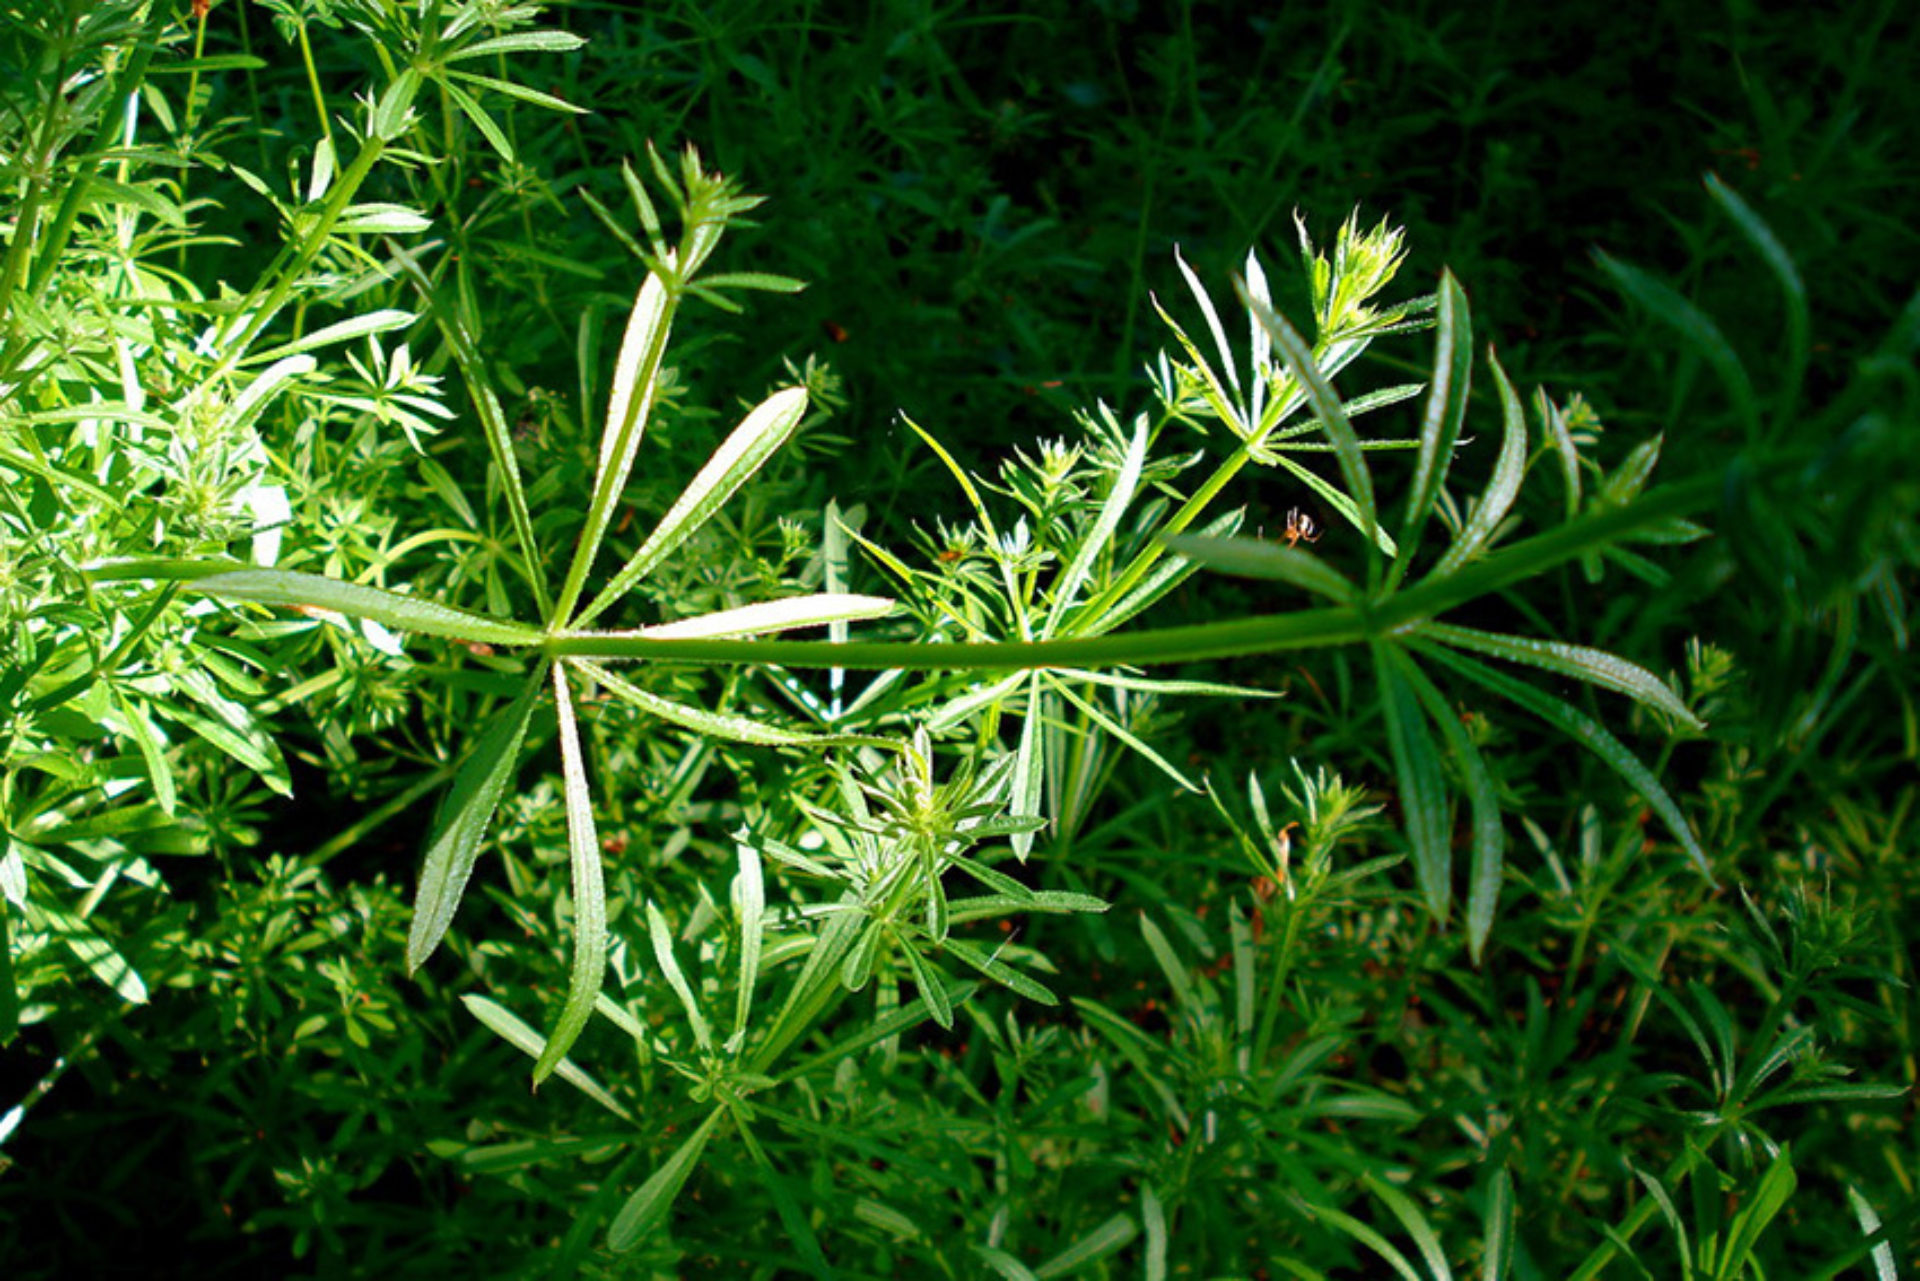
(721,725)
(752,892)
(1489,837)
(373,322)
(1589,734)
(1775,1189)
(1780,263)
(493,420)
(817,610)
(1178,979)
(518,92)
(1596,667)
(1884,1268)
(296,590)
(662,938)
(1149,685)
(636,377)
(1657,1192)
(1555,424)
(1153,1217)
(393,114)
(589,895)
(794,1218)
(1353,462)
(647,1209)
(1002,1262)
(958,710)
(101,958)
(463,821)
(1100,536)
(1028,770)
(811,990)
(547,41)
(1423,789)
(503,1023)
(469,106)
(1403,1209)
(1504,485)
(1497,1259)
(1000,972)
(1214,327)
(889,1024)
(1695,328)
(153,750)
(1108,1238)
(742,454)
(1127,736)
(1257,558)
(1445,412)
(757,280)
(932,987)
(1152,576)
(1343,1222)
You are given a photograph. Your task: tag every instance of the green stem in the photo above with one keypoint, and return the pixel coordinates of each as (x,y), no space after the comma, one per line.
(1189,512)
(1304,629)
(298,259)
(1277,990)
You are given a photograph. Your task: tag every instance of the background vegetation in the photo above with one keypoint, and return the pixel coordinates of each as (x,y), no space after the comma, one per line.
(215,1059)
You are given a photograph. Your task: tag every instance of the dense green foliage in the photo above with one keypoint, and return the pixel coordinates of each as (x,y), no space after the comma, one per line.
(1049,749)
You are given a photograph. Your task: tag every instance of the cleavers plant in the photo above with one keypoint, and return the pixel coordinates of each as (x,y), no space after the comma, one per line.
(1042,599)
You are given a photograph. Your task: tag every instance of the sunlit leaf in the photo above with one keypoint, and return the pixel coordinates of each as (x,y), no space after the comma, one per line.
(589,894)
(463,820)
(295,590)
(742,454)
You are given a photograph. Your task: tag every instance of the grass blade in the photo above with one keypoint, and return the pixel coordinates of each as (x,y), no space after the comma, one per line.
(1695,328)
(1028,770)
(1780,263)
(662,938)
(1416,1225)
(1497,1260)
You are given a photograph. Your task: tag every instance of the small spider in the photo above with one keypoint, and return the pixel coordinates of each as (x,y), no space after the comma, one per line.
(1301,527)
